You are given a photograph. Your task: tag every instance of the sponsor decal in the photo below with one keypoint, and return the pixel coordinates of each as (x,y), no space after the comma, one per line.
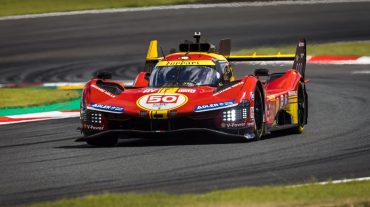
(108,108)
(226,89)
(235,125)
(292,93)
(213,106)
(251,112)
(103,91)
(185,62)
(150,90)
(250,124)
(160,101)
(92,127)
(281,100)
(186,90)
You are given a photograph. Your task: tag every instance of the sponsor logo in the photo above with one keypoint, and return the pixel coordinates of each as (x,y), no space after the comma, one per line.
(150,90)
(103,107)
(103,91)
(236,125)
(91,127)
(251,112)
(186,90)
(213,106)
(160,101)
(231,87)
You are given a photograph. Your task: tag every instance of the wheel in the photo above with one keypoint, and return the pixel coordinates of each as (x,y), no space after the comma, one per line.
(103,142)
(258,115)
(301,110)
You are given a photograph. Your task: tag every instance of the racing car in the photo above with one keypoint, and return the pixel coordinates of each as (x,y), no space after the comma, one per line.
(195,90)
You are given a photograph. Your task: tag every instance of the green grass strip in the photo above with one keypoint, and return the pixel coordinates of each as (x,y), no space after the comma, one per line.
(67,105)
(345,194)
(19,7)
(27,97)
(359,48)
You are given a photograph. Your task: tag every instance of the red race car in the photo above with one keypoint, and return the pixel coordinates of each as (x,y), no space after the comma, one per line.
(194,90)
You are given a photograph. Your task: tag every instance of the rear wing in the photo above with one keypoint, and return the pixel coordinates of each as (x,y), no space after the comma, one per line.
(224,49)
(299,57)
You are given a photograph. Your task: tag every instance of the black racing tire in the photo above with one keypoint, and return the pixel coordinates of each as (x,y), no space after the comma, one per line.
(259,126)
(301,110)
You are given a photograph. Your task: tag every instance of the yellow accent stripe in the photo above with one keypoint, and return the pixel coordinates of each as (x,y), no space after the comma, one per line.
(70,87)
(159,114)
(292,108)
(168,90)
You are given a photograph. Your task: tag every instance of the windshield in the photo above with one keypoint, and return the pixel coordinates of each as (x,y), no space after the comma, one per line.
(184,76)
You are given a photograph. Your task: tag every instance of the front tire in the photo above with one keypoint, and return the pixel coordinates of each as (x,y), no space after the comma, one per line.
(259,126)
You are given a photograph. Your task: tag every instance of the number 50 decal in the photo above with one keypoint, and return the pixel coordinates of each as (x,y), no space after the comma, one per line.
(163,98)
(159,101)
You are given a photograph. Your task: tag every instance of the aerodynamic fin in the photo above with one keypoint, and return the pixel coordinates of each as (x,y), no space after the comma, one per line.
(300,57)
(152,53)
(152,56)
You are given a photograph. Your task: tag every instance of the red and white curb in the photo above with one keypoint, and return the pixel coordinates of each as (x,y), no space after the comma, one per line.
(38,116)
(339,60)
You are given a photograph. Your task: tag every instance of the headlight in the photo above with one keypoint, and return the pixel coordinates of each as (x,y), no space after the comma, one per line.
(235,114)
(95,118)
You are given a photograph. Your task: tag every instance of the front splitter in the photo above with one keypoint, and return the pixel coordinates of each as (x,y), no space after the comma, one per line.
(125,134)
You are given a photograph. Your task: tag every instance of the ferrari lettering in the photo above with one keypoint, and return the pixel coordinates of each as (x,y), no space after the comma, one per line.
(183,63)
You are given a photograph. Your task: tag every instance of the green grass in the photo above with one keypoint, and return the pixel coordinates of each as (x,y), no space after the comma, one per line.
(19,7)
(360,48)
(345,194)
(25,97)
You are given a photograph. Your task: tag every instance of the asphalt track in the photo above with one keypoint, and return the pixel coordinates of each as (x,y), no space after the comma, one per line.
(39,160)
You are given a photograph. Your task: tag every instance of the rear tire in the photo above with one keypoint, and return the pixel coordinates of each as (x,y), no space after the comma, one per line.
(259,126)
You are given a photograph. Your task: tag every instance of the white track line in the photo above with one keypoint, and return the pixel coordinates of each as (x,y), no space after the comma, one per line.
(367,72)
(187,6)
(332,182)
